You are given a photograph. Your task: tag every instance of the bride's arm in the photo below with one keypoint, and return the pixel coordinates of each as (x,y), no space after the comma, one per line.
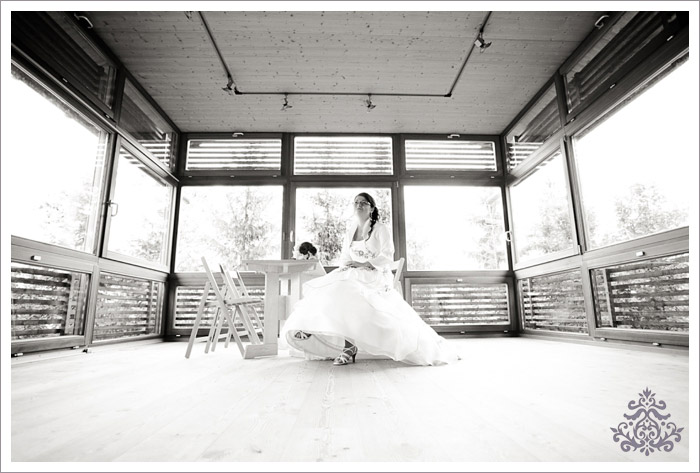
(386,248)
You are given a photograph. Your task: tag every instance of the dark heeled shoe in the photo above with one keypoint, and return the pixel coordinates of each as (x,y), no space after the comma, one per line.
(346,355)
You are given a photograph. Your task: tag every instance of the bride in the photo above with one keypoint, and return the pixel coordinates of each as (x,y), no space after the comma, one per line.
(356,306)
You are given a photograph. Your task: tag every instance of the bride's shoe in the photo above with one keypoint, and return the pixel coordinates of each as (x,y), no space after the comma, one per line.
(299,335)
(346,355)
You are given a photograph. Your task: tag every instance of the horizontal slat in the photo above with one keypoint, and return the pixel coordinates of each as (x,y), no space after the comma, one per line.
(343,155)
(236,154)
(455,155)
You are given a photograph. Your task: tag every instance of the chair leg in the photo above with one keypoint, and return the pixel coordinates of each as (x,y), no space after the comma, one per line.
(197,320)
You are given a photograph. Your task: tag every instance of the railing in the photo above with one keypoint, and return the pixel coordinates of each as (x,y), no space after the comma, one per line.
(553,302)
(648,295)
(460,303)
(47,302)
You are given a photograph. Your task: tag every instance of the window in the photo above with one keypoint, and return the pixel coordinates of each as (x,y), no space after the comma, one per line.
(47,302)
(540,207)
(323,214)
(234,155)
(54,38)
(227,224)
(539,123)
(343,155)
(622,45)
(140,212)
(145,123)
(633,162)
(56,159)
(127,307)
(648,295)
(454,228)
(443,155)
(553,302)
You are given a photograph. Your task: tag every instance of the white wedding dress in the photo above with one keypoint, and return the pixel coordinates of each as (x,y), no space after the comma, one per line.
(362,306)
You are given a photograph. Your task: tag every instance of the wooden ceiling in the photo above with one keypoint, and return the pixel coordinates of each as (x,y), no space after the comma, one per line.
(173,58)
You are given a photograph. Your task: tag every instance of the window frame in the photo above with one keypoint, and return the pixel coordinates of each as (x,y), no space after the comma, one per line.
(553,138)
(597,112)
(516,178)
(63,75)
(126,76)
(51,87)
(155,170)
(403,173)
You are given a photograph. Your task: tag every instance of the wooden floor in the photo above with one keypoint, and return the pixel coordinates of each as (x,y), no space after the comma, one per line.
(509,399)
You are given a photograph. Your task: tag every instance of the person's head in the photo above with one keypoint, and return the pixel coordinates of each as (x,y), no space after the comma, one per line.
(307,250)
(366,209)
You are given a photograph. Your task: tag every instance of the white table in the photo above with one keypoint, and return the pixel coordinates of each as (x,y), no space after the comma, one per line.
(277,304)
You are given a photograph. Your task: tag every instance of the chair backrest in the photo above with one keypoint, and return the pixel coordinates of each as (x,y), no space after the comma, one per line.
(397,269)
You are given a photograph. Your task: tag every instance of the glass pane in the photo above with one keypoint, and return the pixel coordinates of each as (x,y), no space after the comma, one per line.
(647,295)
(633,163)
(533,129)
(454,228)
(553,302)
(343,155)
(323,214)
(56,159)
(141,119)
(235,155)
(227,224)
(47,302)
(443,155)
(140,226)
(127,307)
(54,38)
(451,303)
(540,206)
(618,47)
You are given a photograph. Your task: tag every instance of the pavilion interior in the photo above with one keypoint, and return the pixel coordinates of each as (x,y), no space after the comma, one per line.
(530,164)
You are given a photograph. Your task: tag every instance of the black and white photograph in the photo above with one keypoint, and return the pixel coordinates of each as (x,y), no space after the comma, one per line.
(349,236)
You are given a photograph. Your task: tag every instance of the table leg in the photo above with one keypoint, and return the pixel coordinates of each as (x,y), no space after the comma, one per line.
(272,289)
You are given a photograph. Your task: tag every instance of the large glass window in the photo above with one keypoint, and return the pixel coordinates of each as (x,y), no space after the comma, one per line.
(227,224)
(454,228)
(143,121)
(633,163)
(140,212)
(55,158)
(322,216)
(540,206)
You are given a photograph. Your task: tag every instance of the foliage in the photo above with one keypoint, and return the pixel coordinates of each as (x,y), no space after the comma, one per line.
(643,211)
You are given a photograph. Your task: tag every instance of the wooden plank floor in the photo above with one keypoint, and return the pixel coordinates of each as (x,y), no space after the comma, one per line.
(509,399)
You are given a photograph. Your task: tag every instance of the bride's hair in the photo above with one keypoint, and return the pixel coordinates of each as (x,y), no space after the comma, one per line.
(374,216)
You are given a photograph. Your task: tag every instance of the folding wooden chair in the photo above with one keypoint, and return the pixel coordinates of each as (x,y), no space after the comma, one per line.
(227,304)
(238,291)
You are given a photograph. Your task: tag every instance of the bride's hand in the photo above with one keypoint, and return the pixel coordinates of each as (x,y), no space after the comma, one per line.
(357,264)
